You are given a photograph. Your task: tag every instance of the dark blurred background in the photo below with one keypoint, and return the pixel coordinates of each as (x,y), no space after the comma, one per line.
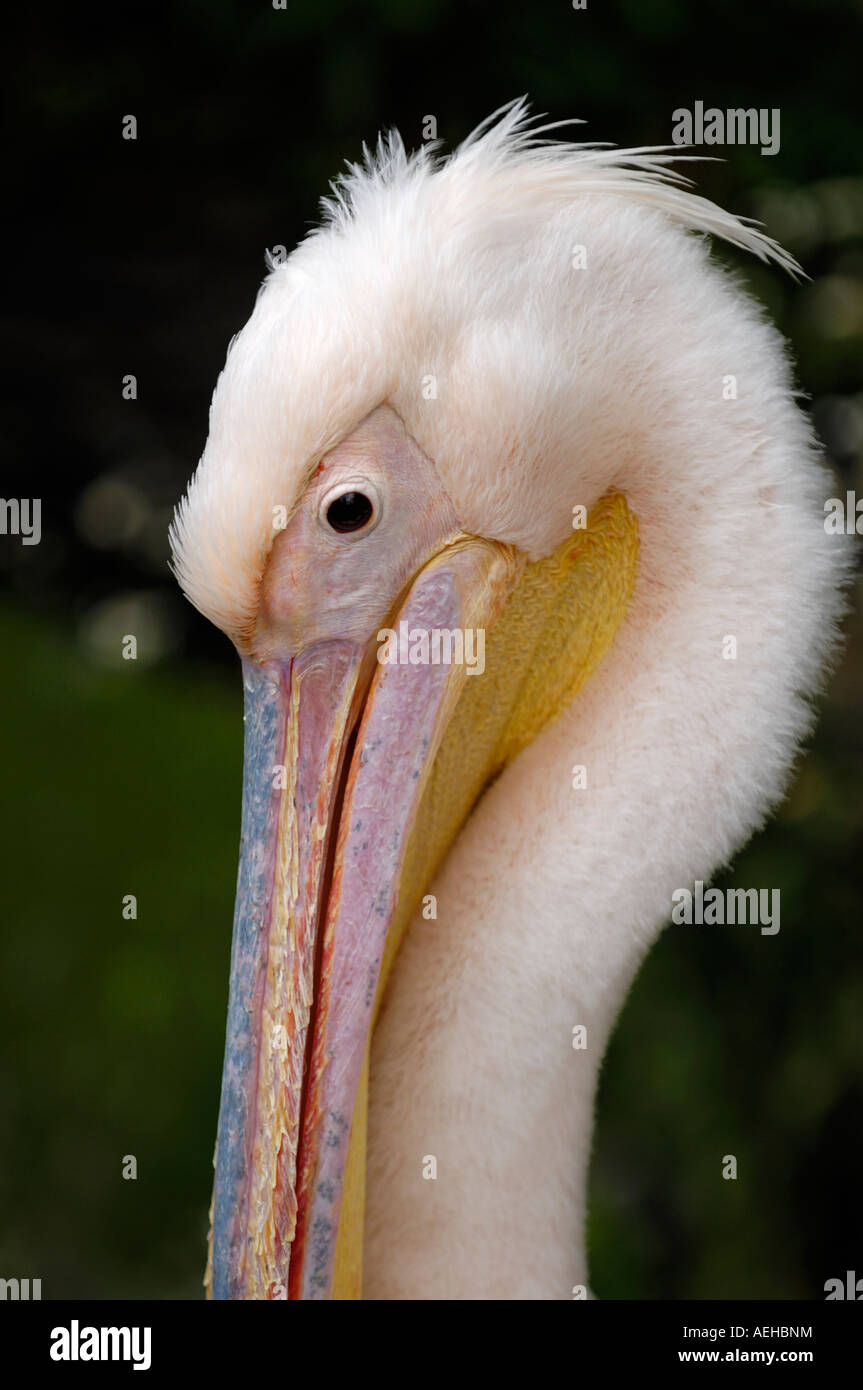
(124,777)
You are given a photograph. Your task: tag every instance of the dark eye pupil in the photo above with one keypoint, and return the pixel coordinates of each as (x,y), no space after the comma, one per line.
(349,512)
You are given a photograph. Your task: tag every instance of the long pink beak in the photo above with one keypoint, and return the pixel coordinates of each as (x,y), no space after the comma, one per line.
(337,752)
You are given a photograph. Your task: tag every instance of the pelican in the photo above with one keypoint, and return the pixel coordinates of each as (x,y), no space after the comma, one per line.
(510,511)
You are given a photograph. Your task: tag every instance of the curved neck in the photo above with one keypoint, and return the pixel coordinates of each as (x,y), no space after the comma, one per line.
(553,894)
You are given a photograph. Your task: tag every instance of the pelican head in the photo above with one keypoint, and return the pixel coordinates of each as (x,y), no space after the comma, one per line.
(499,464)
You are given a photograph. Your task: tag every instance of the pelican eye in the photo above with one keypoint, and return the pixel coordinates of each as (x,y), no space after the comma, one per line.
(351,511)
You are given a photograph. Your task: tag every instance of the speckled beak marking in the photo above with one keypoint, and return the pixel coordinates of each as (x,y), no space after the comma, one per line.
(337,751)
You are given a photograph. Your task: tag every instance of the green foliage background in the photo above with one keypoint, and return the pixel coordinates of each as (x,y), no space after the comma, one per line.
(125,777)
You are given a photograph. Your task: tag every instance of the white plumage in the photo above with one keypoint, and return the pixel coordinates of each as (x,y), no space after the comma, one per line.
(536,376)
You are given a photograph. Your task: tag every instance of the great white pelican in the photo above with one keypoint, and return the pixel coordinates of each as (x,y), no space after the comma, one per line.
(509,508)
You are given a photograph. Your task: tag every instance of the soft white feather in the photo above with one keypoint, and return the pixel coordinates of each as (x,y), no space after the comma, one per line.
(457,269)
